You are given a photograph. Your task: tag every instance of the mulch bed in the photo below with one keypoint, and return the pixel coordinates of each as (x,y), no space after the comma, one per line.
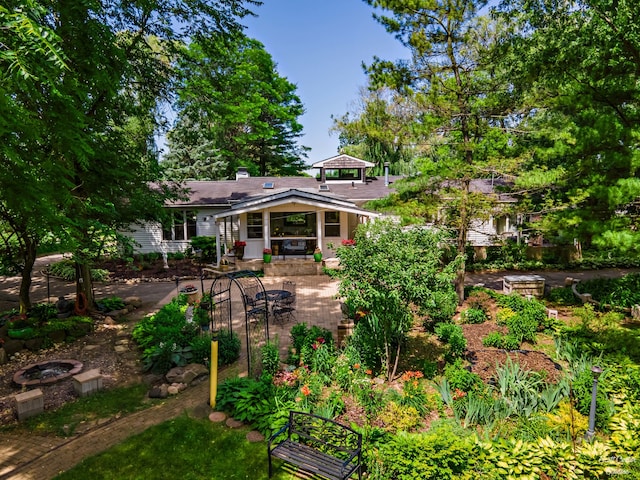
(121,270)
(485,359)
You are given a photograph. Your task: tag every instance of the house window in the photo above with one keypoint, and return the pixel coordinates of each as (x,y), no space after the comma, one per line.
(254,225)
(331,224)
(342,173)
(182,226)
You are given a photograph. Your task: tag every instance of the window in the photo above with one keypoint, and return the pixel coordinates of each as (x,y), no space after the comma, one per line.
(331,224)
(254,225)
(342,173)
(182,226)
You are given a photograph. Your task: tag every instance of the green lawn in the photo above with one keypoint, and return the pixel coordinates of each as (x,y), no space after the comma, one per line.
(184,448)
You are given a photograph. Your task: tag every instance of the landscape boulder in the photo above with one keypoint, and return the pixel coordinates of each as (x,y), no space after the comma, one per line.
(186,374)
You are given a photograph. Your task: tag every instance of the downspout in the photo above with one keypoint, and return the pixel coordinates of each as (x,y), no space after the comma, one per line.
(218,249)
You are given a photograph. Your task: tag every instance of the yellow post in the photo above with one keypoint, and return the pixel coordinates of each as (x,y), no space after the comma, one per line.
(213,377)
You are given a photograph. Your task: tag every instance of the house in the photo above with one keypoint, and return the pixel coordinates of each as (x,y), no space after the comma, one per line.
(290,215)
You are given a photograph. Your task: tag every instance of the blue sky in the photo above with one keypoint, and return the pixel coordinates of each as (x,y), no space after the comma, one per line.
(319,45)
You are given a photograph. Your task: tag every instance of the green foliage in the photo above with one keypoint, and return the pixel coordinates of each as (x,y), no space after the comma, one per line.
(165,337)
(438,454)
(400,418)
(270,358)
(452,335)
(42,312)
(248,400)
(460,378)
(206,246)
(563,296)
(582,386)
(111,303)
(621,292)
(228,347)
(66,269)
(499,340)
(384,272)
(303,338)
(473,315)
(201,348)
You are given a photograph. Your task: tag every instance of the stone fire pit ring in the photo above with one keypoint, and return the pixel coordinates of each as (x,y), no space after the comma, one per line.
(46,373)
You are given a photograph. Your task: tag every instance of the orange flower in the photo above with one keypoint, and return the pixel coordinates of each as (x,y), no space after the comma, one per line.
(306,391)
(368,372)
(356,366)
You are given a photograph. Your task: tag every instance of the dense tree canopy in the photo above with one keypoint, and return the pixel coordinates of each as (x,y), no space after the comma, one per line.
(233,110)
(576,66)
(81,83)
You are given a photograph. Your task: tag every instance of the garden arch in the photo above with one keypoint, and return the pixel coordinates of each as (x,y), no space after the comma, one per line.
(247,302)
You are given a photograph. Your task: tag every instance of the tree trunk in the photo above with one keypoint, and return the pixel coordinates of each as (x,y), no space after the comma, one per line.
(84,289)
(25,284)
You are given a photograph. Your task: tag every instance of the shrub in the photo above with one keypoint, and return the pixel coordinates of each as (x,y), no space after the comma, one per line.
(523,327)
(206,246)
(228,347)
(563,296)
(503,315)
(451,334)
(270,358)
(303,336)
(473,315)
(201,348)
(460,378)
(481,300)
(438,455)
(111,303)
(400,418)
(66,269)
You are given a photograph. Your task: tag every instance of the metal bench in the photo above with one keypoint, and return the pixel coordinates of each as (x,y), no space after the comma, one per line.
(318,446)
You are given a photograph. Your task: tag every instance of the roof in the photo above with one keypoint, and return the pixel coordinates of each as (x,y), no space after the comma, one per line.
(299,197)
(343,161)
(225,193)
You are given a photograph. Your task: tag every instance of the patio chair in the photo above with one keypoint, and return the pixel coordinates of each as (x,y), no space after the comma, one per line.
(284,309)
(289,286)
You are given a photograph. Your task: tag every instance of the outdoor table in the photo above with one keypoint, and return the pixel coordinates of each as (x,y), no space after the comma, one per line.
(273,295)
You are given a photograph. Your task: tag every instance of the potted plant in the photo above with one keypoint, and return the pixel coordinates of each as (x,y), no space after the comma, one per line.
(317,254)
(266,255)
(238,248)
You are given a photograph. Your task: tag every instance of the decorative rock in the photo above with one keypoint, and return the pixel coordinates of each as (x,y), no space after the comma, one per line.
(217,417)
(173,390)
(233,423)
(135,301)
(13,346)
(108,320)
(201,411)
(121,348)
(254,436)
(186,374)
(159,392)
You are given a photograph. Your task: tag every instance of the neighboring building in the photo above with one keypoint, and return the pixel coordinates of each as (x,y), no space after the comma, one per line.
(290,215)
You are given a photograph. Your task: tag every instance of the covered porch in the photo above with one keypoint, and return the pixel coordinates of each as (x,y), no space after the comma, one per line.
(291,224)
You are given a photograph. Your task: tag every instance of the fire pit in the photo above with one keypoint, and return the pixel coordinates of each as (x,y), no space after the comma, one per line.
(45,373)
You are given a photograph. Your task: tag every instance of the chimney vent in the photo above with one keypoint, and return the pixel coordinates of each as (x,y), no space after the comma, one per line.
(242,173)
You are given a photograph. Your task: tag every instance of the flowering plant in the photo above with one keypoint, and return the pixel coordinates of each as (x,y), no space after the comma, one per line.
(188,288)
(348,242)
(240,243)
(267,251)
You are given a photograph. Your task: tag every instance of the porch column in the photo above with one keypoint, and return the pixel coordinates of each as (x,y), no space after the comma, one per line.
(319,236)
(266,229)
(218,249)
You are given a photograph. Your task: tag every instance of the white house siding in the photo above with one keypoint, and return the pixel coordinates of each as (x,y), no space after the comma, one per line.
(148,237)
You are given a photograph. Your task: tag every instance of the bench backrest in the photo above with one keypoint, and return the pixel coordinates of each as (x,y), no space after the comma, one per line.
(324,434)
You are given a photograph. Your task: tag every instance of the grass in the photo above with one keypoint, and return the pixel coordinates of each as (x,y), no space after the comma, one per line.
(104,404)
(188,448)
